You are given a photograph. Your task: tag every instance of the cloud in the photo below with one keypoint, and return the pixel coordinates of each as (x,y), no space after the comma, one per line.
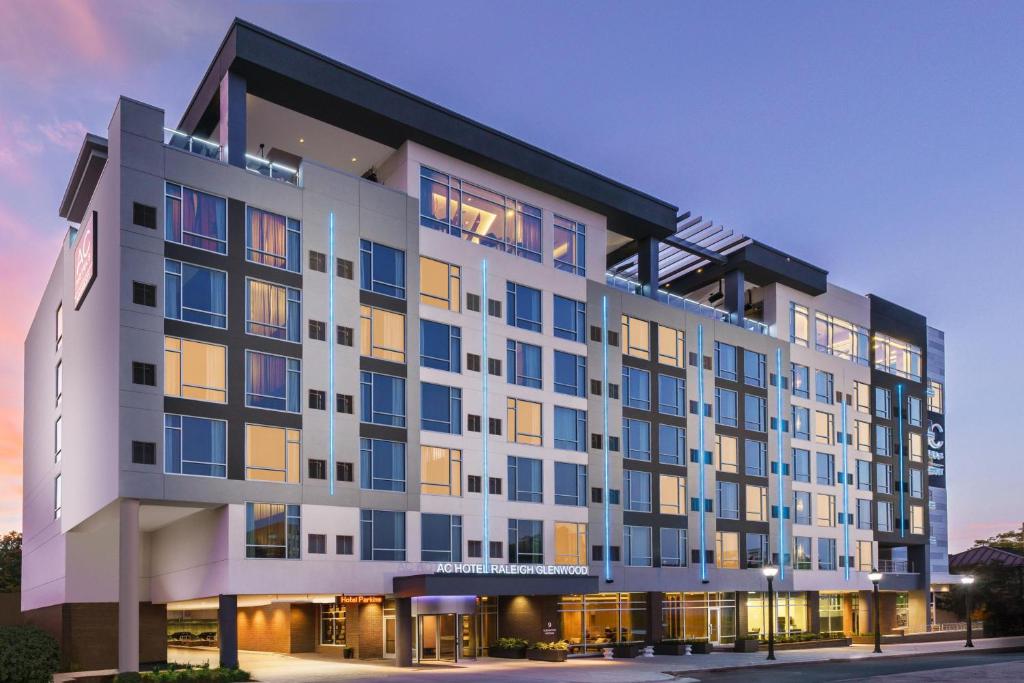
(64,134)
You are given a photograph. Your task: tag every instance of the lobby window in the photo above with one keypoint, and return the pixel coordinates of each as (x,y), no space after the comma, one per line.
(671,395)
(570,319)
(725,361)
(801,465)
(673,547)
(840,338)
(883,403)
(525,480)
(671,347)
(897,357)
(523,307)
(799,324)
(381,465)
(332,621)
(755,413)
(826,509)
(754,368)
(440,284)
(58,497)
(672,494)
(862,396)
(883,440)
(570,252)
(915,447)
(863,475)
(916,519)
(195,370)
(195,294)
(440,471)
(636,435)
(864,513)
(381,334)
(272,454)
(801,423)
(636,337)
(273,311)
(525,541)
(824,428)
(727,503)
(914,411)
(440,346)
(570,543)
(725,407)
(916,483)
(727,550)
(524,422)
(826,469)
(272,382)
(570,374)
(637,546)
(382,535)
(570,429)
(726,453)
(883,478)
(801,380)
(441,537)
(757,550)
(441,408)
(636,487)
(755,457)
(381,269)
(936,397)
(802,507)
(570,484)
(827,554)
(523,364)
(865,562)
(757,503)
(382,399)
(862,435)
(195,219)
(195,445)
(636,388)
(671,445)
(272,240)
(272,531)
(802,554)
(884,518)
(824,387)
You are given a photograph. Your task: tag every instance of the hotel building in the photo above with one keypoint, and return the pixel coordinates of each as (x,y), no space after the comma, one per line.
(325,366)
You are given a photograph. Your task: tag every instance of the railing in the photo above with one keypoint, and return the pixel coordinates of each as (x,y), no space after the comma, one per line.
(896,567)
(192,144)
(957,626)
(271,169)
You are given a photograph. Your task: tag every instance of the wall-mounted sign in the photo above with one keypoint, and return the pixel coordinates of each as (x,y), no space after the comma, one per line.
(936,451)
(85,259)
(360,599)
(512,569)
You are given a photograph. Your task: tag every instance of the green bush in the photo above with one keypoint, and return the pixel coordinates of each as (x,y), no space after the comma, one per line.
(555,645)
(27,655)
(178,673)
(509,643)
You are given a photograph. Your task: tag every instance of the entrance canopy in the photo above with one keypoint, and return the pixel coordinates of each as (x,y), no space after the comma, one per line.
(487,584)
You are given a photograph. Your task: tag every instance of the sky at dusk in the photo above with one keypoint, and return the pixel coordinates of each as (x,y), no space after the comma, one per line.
(881,141)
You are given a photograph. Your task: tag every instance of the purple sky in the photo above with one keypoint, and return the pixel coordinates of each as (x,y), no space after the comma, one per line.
(882,141)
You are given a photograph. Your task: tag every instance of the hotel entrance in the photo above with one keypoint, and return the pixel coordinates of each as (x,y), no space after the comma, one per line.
(436,638)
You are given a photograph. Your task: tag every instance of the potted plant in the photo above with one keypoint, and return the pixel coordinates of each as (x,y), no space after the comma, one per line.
(626,650)
(508,648)
(670,646)
(748,643)
(557,651)
(700,647)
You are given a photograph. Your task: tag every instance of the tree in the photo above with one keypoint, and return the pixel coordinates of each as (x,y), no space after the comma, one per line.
(1008,540)
(10,562)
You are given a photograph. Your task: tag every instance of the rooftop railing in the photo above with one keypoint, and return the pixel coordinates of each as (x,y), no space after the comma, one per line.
(896,567)
(272,169)
(191,144)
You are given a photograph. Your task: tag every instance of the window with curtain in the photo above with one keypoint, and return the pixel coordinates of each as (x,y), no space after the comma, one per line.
(382,399)
(381,465)
(570,246)
(272,382)
(523,364)
(381,269)
(272,454)
(272,240)
(195,219)
(273,311)
(195,445)
(195,294)
(381,334)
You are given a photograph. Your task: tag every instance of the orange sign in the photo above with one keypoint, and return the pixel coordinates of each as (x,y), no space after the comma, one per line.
(360,599)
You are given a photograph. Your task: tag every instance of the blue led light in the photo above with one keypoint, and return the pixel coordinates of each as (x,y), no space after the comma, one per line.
(604,441)
(333,398)
(700,451)
(899,423)
(484,429)
(781,460)
(846,496)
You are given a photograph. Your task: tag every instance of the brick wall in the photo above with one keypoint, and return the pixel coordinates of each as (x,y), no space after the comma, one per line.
(303,628)
(523,616)
(266,628)
(366,630)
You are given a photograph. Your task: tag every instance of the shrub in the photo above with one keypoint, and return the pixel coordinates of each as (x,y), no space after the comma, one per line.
(177,673)
(510,643)
(27,655)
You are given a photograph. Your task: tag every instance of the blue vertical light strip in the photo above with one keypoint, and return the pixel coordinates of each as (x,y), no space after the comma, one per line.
(332,397)
(700,453)
(485,421)
(846,494)
(899,425)
(604,441)
(781,463)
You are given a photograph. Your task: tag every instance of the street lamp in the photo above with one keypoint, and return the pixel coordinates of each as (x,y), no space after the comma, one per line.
(875,576)
(967,581)
(769,573)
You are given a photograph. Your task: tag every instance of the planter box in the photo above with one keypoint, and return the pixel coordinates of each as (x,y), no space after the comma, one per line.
(701,648)
(507,653)
(675,647)
(746,645)
(811,644)
(626,651)
(547,655)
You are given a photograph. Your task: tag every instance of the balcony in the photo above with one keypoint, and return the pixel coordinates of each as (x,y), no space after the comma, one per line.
(896,567)
(272,170)
(192,144)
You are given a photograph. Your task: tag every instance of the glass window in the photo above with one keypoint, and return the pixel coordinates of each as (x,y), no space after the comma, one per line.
(801,465)
(726,453)
(826,469)
(570,543)
(195,445)
(802,507)
(883,403)
(801,380)
(381,334)
(381,269)
(671,445)
(915,448)
(671,349)
(897,357)
(916,519)
(195,219)
(58,438)
(570,319)
(824,387)
(441,537)
(914,411)
(801,423)
(273,311)
(728,499)
(725,361)
(863,475)
(570,374)
(570,246)
(523,364)
(525,541)
(672,493)
(570,484)
(272,240)
(440,346)
(195,370)
(916,479)
(195,294)
(884,519)
(440,284)
(725,407)
(58,497)
(382,399)
(525,480)
(440,471)
(441,408)
(840,338)
(382,535)
(757,550)
(636,436)
(524,422)
(636,388)
(272,531)
(671,395)
(862,435)
(754,368)
(727,550)
(865,562)
(637,546)
(272,382)
(755,456)
(863,513)
(883,440)
(272,454)
(757,503)
(637,490)
(883,478)
(799,324)
(827,553)
(862,396)
(826,505)
(636,337)
(59,323)
(381,465)
(802,547)
(755,413)
(936,397)
(824,428)
(673,547)
(570,429)
(523,307)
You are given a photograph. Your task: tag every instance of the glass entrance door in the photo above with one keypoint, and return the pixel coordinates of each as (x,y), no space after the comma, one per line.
(714,626)
(438,637)
(389,637)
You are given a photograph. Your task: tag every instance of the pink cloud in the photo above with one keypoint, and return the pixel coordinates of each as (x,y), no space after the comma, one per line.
(64,134)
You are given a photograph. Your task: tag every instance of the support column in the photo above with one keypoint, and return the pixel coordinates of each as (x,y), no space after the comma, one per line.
(655,625)
(814,607)
(128,587)
(232,119)
(227,621)
(735,297)
(647,266)
(403,632)
(742,615)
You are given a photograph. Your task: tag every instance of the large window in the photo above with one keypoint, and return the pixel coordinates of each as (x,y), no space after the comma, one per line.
(671,445)
(525,480)
(725,407)
(272,531)
(195,294)
(673,547)
(862,396)
(570,374)
(273,311)
(441,537)
(272,240)
(382,399)
(570,429)
(824,428)
(916,519)
(570,319)
(671,395)
(195,370)
(636,437)
(272,454)
(754,368)
(570,484)
(801,465)
(755,413)
(802,507)
(884,518)
(883,478)
(523,364)
(757,550)
(915,447)
(636,337)
(465,210)
(672,494)
(524,422)
(897,357)
(570,543)
(914,411)
(382,535)
(441,408)
(637,490)
(195,219)
(916,483)
(826,510)
(671,347)
(883,440)
(726,453)
(636,388)
(440,346)
(440,284)
(381,269)
(840,338)
(725,361)
(525,541)
(523,307)
(799,324)
(755,458)
(883,403)
(637,546)
(195,445)
(826,469)
(827,553)
(801,423)
(440,471)
(936,397)
(824,386)
(862,435)
(865,562)
(801,380)
(863,475)
(272,382)
(570,246)
(727,502)
(757,503)
(864,513)
(727,550)
(382,334)
(381,465)
(802,546)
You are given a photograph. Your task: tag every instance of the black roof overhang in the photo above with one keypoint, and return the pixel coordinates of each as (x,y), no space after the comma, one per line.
(492,584)
(761,265)
(86,173)
(288,74)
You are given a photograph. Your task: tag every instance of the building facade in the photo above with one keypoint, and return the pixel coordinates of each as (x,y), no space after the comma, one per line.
(328,367)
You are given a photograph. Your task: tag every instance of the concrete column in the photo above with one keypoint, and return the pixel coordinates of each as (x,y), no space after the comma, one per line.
(128,587)
(814,607)
(227,621)
(655,628)
(647,266)
(742,617)
(735,297)
(232,118)
(403,632)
